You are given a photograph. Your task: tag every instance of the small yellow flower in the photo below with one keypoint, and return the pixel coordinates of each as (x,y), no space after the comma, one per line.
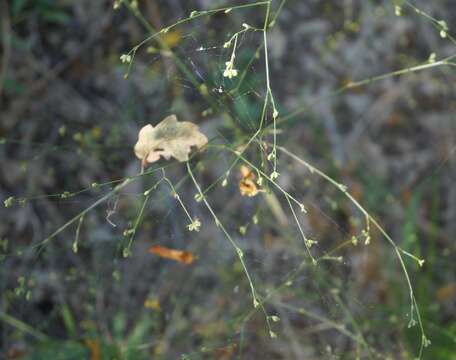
(275,114)
(274,175)
(194,225)
(125,58)
(229,71)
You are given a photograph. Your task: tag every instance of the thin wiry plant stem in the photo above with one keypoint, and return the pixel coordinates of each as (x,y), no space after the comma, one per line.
(84,212)
(414,309)
(238,250)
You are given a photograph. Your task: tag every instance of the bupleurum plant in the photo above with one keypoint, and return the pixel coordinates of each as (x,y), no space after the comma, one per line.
(252,162)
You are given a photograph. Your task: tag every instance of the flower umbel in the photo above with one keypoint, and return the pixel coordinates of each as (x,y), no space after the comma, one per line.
(194,225)
(125,58)
(230,72)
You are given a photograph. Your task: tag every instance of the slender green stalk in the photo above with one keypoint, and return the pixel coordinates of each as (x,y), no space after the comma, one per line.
(84,212)
(414,309)
(238,250)
(22,326)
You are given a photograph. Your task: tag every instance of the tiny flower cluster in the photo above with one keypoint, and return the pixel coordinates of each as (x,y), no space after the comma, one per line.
(125,58)
(230,72)
(194,225)
(444,29)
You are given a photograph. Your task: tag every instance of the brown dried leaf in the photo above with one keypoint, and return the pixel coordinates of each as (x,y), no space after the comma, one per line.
(184,257)
(170,138)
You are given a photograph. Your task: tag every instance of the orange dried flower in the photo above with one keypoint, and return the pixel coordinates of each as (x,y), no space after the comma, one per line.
(247,185)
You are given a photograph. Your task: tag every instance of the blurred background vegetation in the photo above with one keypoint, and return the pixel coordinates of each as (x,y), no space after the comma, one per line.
(69,118)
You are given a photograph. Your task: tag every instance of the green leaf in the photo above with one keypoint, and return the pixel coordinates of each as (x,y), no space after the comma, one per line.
(18,6)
